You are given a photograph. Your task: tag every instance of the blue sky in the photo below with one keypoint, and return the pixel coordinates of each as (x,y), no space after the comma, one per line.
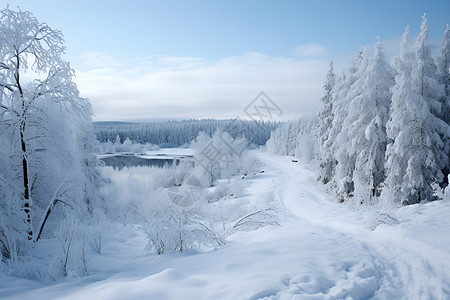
(183,59)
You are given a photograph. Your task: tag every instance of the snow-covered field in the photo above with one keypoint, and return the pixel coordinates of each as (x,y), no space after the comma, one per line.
(321,250)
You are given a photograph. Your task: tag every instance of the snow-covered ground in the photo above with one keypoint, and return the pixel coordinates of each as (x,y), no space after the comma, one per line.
(321,250)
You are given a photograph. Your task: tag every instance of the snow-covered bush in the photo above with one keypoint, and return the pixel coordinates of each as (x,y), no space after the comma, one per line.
(220,156)
(231,212)
(446,193)
(71,260)
(179,228)
(169,225)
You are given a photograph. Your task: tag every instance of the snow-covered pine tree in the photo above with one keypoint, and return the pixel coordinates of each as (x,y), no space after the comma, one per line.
(351,88)
(426,83)
(327,162)
(399,117)
(416,156)
(368,115)
(339,110)
(443,73)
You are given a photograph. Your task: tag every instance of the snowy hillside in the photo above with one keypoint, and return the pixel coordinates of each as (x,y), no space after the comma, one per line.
(320,250)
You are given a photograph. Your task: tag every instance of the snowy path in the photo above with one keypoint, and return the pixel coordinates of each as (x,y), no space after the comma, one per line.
(322,250)
(409,267)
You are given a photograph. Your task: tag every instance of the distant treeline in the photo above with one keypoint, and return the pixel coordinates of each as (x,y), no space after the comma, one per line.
(178,133)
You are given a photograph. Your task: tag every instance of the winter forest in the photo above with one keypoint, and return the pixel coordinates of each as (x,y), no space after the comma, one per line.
(349,202)
(382,134)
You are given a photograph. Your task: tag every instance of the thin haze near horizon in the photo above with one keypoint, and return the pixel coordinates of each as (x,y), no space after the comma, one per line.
(144,60)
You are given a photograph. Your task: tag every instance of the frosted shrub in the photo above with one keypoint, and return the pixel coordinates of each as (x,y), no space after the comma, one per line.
(169,226)
(231,211)
(219,156)
(72,258)
(446,194)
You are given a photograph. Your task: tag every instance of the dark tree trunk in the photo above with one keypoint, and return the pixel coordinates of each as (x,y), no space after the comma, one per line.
(27,204)
(27,207)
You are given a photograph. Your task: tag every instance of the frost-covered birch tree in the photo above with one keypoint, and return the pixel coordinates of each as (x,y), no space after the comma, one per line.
(44,124)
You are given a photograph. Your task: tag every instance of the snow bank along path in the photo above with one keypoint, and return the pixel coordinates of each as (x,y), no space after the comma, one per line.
(322,250)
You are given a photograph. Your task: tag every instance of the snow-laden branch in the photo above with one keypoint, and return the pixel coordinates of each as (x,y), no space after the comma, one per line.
(57,197)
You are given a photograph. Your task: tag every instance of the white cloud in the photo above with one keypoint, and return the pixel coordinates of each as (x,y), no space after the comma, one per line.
(187,87)
(95,59)
(310,51)
(180,63)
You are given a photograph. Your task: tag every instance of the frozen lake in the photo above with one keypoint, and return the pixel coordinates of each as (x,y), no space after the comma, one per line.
(144,167)
(119,162)
(157,158)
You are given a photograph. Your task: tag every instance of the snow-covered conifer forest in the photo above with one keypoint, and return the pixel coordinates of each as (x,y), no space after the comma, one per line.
(179,133)
(383,132)
(350,203)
